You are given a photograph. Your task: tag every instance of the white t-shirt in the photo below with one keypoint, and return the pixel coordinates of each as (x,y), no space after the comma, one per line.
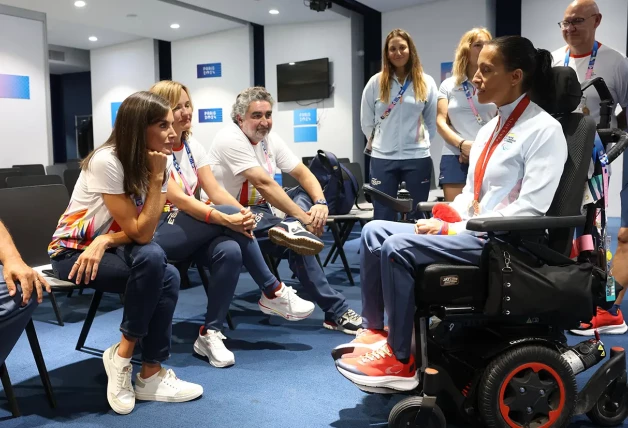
(610,65)
(185,165)
(232,153)
(461,117)
(87,216)
(523,173)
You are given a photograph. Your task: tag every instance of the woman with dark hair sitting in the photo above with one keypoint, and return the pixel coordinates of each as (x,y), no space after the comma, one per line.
(105,238)
(516,164)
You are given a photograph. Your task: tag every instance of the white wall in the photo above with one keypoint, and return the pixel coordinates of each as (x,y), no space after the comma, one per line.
(117,72)
(329,39)
(234,50)
(25,124)
(436,29)
(539,23)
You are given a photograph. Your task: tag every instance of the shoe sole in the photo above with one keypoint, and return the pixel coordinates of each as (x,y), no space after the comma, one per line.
(609,329)
(168,399)
(340,329)
(289,317)
(301,246)
(389,382)
(119,410)
(200,351)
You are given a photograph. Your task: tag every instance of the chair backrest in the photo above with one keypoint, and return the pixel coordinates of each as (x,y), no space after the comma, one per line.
(579,132)
(73,164)
(31,169)
(70,176)
(288,181)
(356,169)
(31,214)
(344,160)
(306,160)
(32,180)
(12,172)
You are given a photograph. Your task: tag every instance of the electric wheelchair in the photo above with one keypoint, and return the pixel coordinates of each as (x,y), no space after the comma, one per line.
(495,354)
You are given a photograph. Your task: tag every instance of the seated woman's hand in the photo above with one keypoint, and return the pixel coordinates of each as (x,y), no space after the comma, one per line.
(86,266)
(249,219)
(430,226)
(239,222)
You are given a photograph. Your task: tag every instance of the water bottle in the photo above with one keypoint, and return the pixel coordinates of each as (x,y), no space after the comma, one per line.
(403,193)
(585,354)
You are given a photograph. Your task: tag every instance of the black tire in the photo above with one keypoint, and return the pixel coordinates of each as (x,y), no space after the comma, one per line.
(520,375)
(404,413)
(606,413)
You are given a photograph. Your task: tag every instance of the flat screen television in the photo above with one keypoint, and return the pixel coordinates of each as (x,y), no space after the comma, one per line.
(303,80)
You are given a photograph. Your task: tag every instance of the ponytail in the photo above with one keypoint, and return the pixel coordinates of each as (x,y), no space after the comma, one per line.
(539,83)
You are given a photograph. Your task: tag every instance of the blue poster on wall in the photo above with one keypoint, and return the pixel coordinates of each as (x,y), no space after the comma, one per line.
(114,112)
(210,115)
(445,70)
(305,117)
(305,134)
(209,70)
(12,86)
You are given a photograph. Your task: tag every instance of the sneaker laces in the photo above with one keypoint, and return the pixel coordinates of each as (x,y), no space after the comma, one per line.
(124,379)
(290,293)
(378,354)
(216,338)
(351,315)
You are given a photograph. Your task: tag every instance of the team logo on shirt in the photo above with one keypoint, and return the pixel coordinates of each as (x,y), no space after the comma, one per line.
(509,140)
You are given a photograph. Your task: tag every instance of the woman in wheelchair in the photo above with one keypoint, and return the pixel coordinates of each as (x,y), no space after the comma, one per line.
(515,167)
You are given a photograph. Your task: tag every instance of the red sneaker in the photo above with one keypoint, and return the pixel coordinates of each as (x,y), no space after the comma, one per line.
(366,340)
(380,369)
(604,322)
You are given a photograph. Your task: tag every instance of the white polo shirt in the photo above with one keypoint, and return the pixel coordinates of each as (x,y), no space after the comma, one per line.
(461,117)
(522,176)
(183,160)
(232,153)
(610,65)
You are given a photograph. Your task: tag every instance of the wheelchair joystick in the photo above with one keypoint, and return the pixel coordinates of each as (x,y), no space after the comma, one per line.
(403,193)
(585,354)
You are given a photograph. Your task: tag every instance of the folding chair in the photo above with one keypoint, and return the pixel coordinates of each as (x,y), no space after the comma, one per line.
(32,180)
(31,169)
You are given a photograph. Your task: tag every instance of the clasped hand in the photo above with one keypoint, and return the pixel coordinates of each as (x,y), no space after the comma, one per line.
(430,226)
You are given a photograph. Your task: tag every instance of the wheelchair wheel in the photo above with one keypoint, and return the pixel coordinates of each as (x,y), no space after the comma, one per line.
(527,386)
(405,411)
(609,411)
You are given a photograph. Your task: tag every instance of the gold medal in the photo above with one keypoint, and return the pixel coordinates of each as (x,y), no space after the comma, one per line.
(585,110)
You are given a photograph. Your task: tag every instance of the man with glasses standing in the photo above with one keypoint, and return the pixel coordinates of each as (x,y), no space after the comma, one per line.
(591,58)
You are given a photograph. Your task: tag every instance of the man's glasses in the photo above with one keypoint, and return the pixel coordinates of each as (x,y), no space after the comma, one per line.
(575,22)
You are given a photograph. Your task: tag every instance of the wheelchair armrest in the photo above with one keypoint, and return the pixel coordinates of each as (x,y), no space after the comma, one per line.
(425,207)
(507,224)
(402,206)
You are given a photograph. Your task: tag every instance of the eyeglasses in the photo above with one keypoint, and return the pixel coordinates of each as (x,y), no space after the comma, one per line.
(575,22)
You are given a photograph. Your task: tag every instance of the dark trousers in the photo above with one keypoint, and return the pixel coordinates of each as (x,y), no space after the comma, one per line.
(151,288)
(306,268)
(386,175)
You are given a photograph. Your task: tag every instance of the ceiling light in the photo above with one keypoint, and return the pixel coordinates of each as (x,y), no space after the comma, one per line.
(273,12)
(93,39)
(291,63)
(79,3)
(174,26)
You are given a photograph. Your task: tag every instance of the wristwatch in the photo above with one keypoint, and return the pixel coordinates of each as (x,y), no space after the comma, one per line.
(320,202)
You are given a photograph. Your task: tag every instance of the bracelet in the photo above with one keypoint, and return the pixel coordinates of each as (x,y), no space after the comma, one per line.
(209,213)
(460,144)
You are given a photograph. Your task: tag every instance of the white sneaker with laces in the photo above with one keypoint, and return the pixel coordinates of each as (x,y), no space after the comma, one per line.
(166,386)
(287,304)
(211,345)
(120,393)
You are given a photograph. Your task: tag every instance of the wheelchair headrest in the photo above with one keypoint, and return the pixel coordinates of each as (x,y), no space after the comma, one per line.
(565,93)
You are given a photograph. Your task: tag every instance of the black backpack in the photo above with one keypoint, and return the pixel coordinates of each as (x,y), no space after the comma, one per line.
(339,184)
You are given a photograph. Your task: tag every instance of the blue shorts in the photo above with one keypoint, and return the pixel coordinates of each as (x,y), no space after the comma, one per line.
(623,195)
(452,171)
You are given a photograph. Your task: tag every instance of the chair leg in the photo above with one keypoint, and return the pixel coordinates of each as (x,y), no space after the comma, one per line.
(55,308)
(8,390)
(318,259)
(39,361)
(345,232)
(70,293)
(87,324)
(336,232)
(205,281)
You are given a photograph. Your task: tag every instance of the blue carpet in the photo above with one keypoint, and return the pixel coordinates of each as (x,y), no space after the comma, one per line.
(284,375)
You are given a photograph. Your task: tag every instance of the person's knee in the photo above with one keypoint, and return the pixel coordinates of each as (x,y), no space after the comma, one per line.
(172,281)
(622,238)
(227,209)
(150,256)
(230,252)
(372,228)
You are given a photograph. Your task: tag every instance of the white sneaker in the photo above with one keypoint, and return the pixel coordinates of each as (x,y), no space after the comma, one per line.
(120,394)
(210,345)
(166,386)
(293,235)
(287,304)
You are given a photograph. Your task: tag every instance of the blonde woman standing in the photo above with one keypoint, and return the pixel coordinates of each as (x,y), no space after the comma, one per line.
(460,116)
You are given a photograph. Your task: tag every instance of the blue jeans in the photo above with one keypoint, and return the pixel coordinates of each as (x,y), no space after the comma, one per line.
(306,268)
(390,254)
(218,248)
(151,288)
(386,175)
(13,316)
